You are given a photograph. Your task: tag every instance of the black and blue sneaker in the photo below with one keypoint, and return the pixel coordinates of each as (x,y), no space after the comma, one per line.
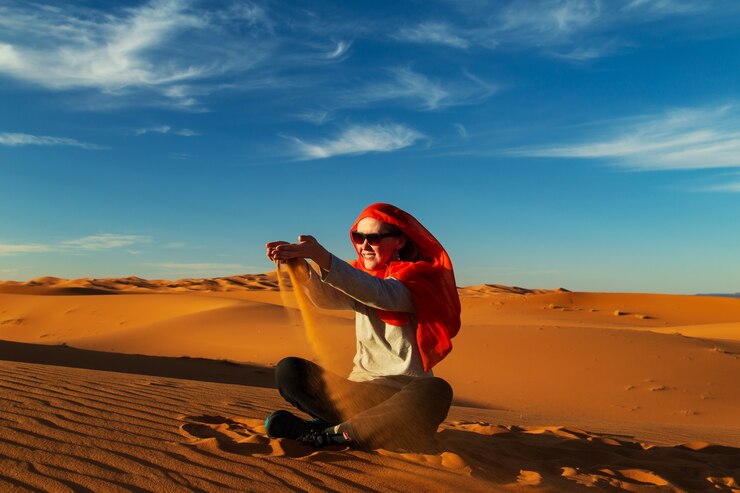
(316,438)
(284,424)
(315,432)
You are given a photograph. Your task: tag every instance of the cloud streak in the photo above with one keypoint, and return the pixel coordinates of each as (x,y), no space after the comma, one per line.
(105,241)
(436,33)
(409,87)
(569,29)
(165,129)
(341,50)
(107,53)
(731,187)
(546,21)
(11,249)
(99,242)
(19,139)
(667,7)
(155,46)
(360,140)
(680,139)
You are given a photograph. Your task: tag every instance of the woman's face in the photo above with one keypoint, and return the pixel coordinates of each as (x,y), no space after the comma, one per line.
(377,257)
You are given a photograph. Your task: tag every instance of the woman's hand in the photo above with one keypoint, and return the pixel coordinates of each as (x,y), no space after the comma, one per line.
(299,265)
(271,249)
(306,248)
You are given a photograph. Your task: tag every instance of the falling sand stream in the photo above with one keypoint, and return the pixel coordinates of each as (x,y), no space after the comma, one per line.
(311,328)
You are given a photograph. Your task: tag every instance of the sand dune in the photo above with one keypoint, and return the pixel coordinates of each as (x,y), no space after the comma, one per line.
(69,429)
(55,285)
(653,378)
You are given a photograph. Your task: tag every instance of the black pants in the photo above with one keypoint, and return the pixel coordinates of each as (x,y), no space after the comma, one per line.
(378,416)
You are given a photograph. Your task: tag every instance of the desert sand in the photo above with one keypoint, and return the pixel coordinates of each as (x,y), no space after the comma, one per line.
(133,384)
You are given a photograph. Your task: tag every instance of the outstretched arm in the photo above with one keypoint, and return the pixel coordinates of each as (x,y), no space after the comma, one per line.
(306,248)
(386,294)
(321,295)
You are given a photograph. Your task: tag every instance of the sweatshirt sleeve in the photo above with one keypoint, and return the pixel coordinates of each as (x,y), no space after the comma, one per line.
(323,295)
(385,294)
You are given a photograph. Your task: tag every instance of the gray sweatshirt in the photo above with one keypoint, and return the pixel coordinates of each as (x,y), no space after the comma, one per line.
(386,353)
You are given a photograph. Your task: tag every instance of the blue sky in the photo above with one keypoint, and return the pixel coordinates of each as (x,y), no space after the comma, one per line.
(593,145)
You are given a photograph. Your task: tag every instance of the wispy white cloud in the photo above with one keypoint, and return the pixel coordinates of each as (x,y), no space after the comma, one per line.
(579,30)
(667,7)
(108,52)
(430,32)
(165,129)
(679,139)
(546,21)
(726,187)
(184,96)
(98,242)
(576,29)
(175,53)
(155,46)
(180,156)
(15,249)
(589,50)
(105,241)
(723,184)
(18,139)
(243,12)
(341,50)
(409,87)
(161,129)
(317,117)
(361,140)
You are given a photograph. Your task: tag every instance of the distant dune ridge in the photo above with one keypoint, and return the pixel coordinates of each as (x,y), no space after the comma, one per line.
(56,285)
(119,384)
(729,295)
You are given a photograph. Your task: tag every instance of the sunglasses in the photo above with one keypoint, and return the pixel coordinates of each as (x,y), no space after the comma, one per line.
(373,238)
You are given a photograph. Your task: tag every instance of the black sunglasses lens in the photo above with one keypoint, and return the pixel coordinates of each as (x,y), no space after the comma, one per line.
(372,238)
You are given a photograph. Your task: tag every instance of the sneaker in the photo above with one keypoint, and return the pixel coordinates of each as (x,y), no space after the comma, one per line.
(316,438)
(318,424)
(284,424)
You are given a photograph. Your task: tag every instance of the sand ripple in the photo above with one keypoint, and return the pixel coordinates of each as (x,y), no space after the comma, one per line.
(68,429)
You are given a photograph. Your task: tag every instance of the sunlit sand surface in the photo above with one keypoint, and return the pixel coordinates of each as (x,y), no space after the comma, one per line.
(121,384)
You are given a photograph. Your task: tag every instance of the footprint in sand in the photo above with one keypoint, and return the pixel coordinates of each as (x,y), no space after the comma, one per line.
(246,437)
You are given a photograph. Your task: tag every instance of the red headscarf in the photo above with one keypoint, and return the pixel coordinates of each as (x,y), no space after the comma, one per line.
(431,282)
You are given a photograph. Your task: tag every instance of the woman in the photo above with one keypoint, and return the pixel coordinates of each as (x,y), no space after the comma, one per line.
(402,289)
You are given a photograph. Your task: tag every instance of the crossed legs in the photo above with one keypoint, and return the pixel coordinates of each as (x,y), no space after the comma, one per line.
(377,416)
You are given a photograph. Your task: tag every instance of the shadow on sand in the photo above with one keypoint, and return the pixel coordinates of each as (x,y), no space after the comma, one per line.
(570,460)
(200,369)
(184,367)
